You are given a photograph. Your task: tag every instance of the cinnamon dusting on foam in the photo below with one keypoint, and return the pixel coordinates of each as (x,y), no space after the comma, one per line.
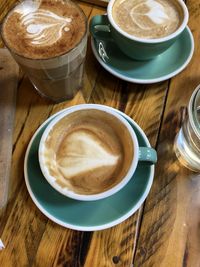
(44,29)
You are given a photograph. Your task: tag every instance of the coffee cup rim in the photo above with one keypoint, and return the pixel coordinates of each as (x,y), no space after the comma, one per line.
(107,193)
(150,40)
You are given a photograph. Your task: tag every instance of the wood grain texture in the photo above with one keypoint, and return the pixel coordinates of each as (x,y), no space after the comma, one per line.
(169,234)
(102,3)
(9,74)
(164,232)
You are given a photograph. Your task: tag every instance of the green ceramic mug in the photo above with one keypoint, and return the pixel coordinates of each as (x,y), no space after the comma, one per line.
(104,27)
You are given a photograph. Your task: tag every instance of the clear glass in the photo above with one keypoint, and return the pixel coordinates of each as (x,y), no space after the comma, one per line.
(187,141)
(57,78)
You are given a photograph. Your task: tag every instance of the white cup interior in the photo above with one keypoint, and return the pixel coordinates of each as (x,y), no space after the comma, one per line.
(145,40)
(65,191)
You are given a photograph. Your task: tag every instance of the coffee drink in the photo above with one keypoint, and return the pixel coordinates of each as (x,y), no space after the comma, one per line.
(48,38)
(149,19)
(44,29)
(88,151)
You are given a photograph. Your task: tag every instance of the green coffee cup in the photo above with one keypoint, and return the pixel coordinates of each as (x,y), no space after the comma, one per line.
(104,27)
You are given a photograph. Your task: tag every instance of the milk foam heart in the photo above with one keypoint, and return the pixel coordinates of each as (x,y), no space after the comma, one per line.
(88,152)
(82,152)
(157,13)
(148,18)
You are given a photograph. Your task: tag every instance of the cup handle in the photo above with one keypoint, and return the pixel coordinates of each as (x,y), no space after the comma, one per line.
(147,155)
(100,27)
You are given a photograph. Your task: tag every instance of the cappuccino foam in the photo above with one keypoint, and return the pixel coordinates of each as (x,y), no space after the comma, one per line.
(88,151)
(148,18)
(44,29)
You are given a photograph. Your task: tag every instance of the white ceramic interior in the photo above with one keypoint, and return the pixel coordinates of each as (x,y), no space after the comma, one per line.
(157,40)
(66,191)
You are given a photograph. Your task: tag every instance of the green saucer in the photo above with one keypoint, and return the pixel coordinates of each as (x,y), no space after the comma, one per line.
(86,215)
(163,67)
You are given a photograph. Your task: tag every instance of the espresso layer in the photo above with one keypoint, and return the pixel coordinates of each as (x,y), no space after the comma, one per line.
(148,18)
(44,29)
(88,152)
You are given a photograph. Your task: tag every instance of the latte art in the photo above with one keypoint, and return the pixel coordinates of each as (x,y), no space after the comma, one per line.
(155,12)
(88,152)
(43,27)
(82,152)
(147,18)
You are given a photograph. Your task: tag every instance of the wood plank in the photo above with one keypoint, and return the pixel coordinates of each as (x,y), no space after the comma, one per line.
(169,234)
(9,73)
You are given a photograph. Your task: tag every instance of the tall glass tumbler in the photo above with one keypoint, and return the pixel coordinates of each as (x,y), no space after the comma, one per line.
(58,77)
(187,141)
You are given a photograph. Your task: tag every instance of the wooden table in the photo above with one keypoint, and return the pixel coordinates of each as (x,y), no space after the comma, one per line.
(164,232)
